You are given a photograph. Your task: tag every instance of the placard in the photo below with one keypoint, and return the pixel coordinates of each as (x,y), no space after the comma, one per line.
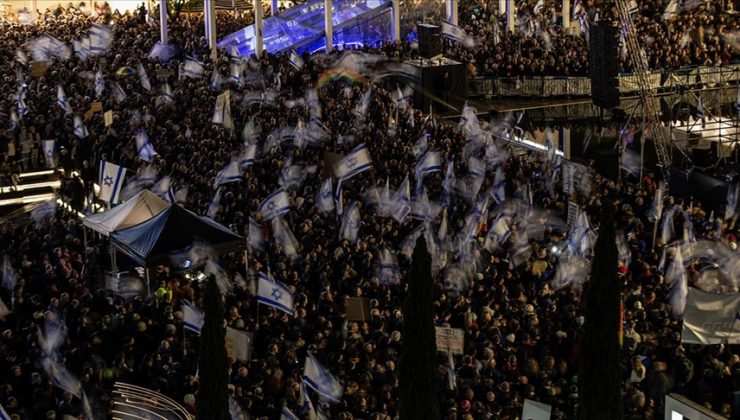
(534,410)
(358,309)
(89,114)
(238,344)
(108,118)
(96,107)
(450,340)
(38,68)
(572,213)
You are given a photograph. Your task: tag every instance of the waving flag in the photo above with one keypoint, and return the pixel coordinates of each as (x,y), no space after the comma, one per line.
(676,280)
(285,238)
(62,100)
(212,210)
(22,106)
(249,155)
(700,107)
(193,69)
(448,184)
(230,173)
(192,318)
(401,206)
(99,83)
(274,294)
(499,186)
(356,161)
(422,208)
(118,93)
(144,146)
(296,61)
(82,48)
(325,197)
(143,78)
(49,147)
(731,202)
(321,380)
(351,223)
(275,204)
(256,239)
(79,127)
(429,163)
(101,38)
(456,33)
(110,181)
(420,146)
(286,414)
(388,267)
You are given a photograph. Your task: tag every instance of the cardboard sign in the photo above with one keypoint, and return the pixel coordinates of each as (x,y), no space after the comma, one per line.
(358,309)
(534,410)
(108,118)
(238,344)
(38,68)
(96,107)
(572,213)
(450,340)
(89,114)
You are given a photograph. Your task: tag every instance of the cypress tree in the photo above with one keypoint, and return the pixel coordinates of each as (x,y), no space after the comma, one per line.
(600,376)
(213,363)
(418,364)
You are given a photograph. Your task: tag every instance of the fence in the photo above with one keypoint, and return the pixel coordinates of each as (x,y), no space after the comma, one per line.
(547,86)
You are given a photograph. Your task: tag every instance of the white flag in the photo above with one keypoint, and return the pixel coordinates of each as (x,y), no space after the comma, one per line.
(79,127)
(50,149)
(144,146)
(192,318)
(321,380)
(110,181)
(143,78)
(351,223)
(274,293)
(325,197)
(710,318)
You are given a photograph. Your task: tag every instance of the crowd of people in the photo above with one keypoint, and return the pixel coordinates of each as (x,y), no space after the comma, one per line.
(521,333)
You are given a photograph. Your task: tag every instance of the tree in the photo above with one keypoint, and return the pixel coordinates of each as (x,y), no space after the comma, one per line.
(418,364)
(174,8)
(600,376)
(213,363)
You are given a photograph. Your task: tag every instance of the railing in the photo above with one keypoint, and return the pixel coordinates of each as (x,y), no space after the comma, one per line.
(548,86)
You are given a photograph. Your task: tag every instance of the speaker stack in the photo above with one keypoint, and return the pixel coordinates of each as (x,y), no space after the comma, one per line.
(604,65)
(430,41)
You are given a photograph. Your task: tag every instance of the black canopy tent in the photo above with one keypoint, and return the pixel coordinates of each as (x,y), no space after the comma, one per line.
(151,242)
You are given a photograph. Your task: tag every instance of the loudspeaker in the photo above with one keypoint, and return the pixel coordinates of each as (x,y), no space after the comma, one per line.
(446,82)
(430,42)
(604,65)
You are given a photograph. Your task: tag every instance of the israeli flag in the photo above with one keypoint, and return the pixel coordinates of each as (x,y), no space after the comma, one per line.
(249,156)
(499,186)
(296,61)
(3,414)
(285,238)
(321,380)
(420,146)
(400,206)
(325,197)
(429,163)
(144,146)
(110,181)
(50,148)
(286,414)
(356,161)
(456,33)
(700,107)
(101,37)
(256,239)
(351,223)
(274,294)
(192,318)
(731,203)
(143,78)
(230,173)
(79,127)
(305,403)
(22,107)
(388,267)
(193,69)
(166,96)
(275,204)
(213,206)
(448,184)
(62,100)
(82,48)
(99,83)
(422,208)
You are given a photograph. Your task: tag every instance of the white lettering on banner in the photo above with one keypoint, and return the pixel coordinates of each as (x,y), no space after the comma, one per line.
(450,340)
(572,213)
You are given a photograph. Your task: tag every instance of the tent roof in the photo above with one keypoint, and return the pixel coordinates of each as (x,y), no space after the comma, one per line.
(140,208)
(151,242)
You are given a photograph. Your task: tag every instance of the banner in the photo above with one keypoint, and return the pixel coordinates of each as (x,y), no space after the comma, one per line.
(572,213)
(711,318)
(450,339)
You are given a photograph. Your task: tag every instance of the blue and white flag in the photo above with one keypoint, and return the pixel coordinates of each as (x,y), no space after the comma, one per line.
(676,279)
(731,203)
(429,163)
(110,181)
(457,33)
(22,106)
(193,69)
(421,146)
(249,155)
(50,149)
(99,83)
(325,197)
(285,238)
(256,239)
(274,294)
(296,61)
(422,208)
(143,78)
(275,204)
(286,414)
(388,272)
(230,173)
(356,161)
(3,414)
(62,100)
(321,380)
(216,81)
(192,318)
(82,48)
(212,211)
(448,184)
(304,401)
(499,186)
(144,146)
(79,127)
(351,223)
(401,201)
(101,38)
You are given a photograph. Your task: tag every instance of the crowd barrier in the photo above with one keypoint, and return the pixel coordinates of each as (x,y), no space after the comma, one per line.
(548,86)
